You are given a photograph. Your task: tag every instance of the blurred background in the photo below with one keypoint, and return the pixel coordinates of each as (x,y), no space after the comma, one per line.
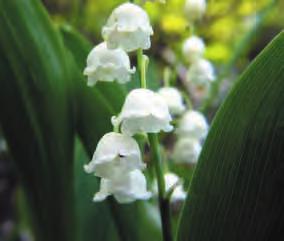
(234,31)
(225,23)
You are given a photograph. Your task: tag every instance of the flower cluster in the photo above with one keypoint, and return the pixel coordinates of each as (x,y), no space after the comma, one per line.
(117,161)
(127,29)
(117,158)
(192,127)
(201,72)
(191,131)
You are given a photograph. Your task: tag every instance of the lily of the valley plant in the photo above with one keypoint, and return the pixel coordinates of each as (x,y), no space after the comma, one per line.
(118,158)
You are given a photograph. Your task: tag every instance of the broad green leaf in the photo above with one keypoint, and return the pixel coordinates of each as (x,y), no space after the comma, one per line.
(95,106)
(93,113)
(95,220)
(237,188)
(36,114)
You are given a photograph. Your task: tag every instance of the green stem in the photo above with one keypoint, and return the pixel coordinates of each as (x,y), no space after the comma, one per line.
(142,62)
(116,128)
(144,67)
(192,29)
(164,203)
(187,100)
(167,77)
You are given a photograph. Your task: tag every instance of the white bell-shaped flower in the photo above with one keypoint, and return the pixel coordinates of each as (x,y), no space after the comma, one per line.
(125,188)
(195,9)
(128,27)
(172,181)
(201,73)
(115,154)
(198,92)
(192,124)
(186,150)
(143,111)
(193,48)
(173,98)
(105,64)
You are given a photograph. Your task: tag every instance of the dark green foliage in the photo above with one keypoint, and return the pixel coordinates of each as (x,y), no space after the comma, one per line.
(37,115)
(237,188)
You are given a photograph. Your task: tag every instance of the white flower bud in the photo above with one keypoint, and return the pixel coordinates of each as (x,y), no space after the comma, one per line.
(193,125)
(104,64)
(115,154)
(173,99)
(172,181)
(126,188)
(186,150)
(143,111)
(201,73)
(169,56)
(193,48)
(195,9)
(128,27)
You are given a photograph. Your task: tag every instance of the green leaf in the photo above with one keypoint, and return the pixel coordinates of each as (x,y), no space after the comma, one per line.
(94,220)
(95,106)
(237,188)
(37,115)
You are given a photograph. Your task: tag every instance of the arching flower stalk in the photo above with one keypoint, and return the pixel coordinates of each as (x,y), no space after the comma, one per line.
(161,112)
